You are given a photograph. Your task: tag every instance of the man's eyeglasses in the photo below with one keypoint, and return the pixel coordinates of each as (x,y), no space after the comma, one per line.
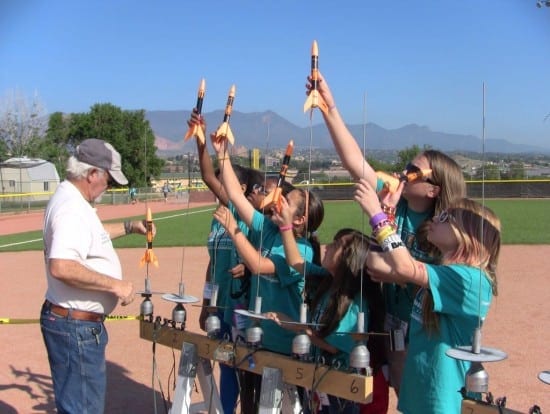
(410,168)
(110,181)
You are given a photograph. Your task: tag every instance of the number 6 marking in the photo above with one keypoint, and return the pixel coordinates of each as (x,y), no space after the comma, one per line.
(354,389)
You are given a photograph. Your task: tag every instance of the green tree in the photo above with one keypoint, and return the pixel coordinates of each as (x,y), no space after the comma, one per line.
(53,147)
(380,165)
(490,171)
(3,150)
(128,131)
(516,171)
(407,155)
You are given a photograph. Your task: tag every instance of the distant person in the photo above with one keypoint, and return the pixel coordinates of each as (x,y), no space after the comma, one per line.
(84,278)
(133,194)
(165,191)
(410,209)
(453,295)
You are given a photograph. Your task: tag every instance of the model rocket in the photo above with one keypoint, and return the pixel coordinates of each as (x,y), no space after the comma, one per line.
(314,100)
(196,130)
(275,196)
(391,183)
(224,131)
(149,256)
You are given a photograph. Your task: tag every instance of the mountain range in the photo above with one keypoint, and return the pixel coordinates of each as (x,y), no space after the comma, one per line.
(269,130)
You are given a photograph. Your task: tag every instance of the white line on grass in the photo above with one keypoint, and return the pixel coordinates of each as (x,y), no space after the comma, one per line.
(18,243)
(160,218)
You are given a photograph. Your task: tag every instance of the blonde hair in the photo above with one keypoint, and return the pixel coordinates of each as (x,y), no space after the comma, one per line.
(447,175)
(477,229)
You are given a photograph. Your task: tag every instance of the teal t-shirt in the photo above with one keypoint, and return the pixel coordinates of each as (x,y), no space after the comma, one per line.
(280,291)
(399,299)
(223,257)
(431,379)
(339,338)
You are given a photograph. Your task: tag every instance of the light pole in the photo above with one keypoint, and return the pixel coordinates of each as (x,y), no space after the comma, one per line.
(188,175)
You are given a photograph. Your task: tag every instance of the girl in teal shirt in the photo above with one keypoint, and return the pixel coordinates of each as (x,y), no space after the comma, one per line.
(453,296)
(341,295)
(279,285)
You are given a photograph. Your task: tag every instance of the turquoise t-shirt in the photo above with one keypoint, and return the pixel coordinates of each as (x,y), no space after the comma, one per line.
(338,338)
(399,299)
(432,380)
(281,291)
(223,257)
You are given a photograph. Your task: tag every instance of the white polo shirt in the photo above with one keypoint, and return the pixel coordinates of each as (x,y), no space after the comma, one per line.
(73,231)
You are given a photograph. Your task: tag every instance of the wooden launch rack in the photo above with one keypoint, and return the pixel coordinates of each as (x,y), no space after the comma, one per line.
(196,347)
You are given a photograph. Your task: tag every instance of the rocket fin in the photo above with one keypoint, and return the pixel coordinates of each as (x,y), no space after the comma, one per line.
(196,131)
(149,257)
(273,198)
(224,131)
(314,100)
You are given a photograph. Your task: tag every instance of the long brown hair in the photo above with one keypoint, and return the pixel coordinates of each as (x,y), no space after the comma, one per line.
(447,175)
(346,281)
(312,207)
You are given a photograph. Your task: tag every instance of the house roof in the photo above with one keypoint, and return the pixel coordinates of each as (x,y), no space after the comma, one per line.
(36,168)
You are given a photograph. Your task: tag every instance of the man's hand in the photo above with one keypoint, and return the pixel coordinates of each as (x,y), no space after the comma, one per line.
(125,292)
(140,227)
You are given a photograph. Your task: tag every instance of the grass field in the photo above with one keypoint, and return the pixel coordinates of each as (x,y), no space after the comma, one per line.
(523,222)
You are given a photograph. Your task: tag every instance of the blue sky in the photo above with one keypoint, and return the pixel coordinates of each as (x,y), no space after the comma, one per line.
(420,62)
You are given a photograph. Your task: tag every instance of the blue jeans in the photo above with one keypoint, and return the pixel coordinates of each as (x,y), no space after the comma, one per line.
(229,385)
(76,353)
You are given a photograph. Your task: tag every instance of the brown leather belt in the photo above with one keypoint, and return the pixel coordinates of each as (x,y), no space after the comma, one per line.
(79,315)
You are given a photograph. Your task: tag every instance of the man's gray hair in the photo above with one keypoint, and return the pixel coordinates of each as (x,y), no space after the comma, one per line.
(77,170)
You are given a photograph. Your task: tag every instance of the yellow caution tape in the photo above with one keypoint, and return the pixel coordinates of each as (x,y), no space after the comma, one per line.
(6,321)
(123,318)
(13,321)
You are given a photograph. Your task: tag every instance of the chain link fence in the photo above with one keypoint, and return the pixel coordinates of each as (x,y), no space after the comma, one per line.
(25,202)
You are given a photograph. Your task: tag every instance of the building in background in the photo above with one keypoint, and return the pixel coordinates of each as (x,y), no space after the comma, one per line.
(33,177)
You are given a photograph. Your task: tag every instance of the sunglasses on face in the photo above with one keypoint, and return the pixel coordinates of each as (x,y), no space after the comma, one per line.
(110,181)
(410,168)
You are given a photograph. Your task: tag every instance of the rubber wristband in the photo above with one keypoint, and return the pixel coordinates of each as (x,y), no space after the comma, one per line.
(377,219)
(286,228)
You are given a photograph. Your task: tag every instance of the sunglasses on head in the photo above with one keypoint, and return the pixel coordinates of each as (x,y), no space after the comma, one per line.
(258,188)
(444,216)
(410,168)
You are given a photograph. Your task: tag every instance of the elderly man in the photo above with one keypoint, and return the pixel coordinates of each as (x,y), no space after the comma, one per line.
(84,278)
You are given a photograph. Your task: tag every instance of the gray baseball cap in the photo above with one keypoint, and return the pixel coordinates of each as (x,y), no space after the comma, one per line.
(101,154)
